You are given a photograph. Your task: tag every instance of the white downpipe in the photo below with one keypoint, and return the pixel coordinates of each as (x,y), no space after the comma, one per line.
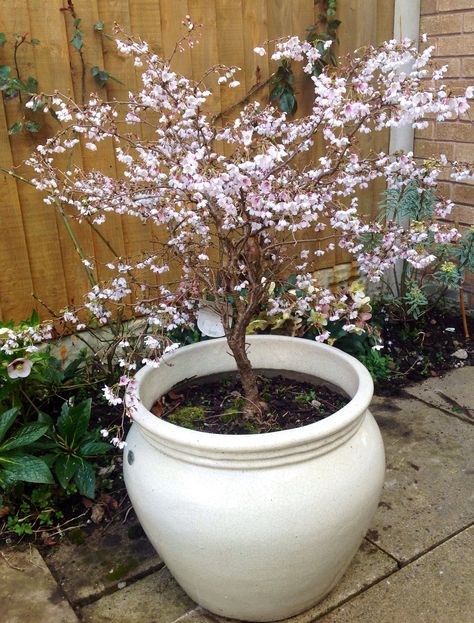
(406,23)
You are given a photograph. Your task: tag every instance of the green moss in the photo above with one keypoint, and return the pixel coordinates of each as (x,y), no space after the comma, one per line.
(234,411)
(135,532)
(76,536)
(121,570)
(187,416)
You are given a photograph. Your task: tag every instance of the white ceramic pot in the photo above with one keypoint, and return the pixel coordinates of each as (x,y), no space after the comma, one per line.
(257,527)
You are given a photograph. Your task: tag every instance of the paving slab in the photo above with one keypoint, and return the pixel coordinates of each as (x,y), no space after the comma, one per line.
(154,599)
(28,591)
(454,391)
(369,566)
(149,603)
(436,588)
(428,493)
(101,562)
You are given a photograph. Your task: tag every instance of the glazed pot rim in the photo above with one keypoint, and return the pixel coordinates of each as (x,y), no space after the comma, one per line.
(327,432)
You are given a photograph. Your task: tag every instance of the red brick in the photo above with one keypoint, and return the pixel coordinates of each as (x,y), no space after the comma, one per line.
(469,21)
(454,5)
(444,189)
(453,131)
(427,133)
(433,149)
(464,152)
(442,24)
(428,6)
(468,68)
(462,193)
(456,45)
(462,214)
(454,66)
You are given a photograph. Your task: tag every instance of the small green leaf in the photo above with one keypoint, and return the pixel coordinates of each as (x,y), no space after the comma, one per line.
(288,102)
(23,467)
(73,422)
(100,75)
(85,479)
(31,85)
(6,420)
(5,71)
(73,367)
(3,39)
(65,467)
(24,436)
(32,126)
(77,41)
(94,448)
(15,128)
(34,42)
(34,318)
(99,26)
(277,91)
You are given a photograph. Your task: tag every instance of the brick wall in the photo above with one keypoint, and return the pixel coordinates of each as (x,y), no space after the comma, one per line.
(449,25)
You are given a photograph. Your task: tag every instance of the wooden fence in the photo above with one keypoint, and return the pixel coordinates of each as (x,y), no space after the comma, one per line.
(36,253)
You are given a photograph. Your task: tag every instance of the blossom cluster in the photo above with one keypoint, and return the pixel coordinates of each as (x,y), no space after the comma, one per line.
(236,222)
(18,345)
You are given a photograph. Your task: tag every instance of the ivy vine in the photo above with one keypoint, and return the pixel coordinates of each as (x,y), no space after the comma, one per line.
(324,30)
(13,85)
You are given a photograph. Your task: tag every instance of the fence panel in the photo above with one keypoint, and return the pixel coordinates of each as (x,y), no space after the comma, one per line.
(36,253)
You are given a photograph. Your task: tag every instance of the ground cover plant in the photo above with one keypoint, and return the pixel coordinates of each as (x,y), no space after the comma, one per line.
(50,450)
(238,225)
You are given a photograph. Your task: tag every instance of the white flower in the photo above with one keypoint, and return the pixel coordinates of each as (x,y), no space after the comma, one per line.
(104,432)
(91,146)
(234,84)
(151,342)
(112,398)
(19,368)
(118,443)
(260,51)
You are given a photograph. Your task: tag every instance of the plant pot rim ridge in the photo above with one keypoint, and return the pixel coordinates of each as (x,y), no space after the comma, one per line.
(289,445)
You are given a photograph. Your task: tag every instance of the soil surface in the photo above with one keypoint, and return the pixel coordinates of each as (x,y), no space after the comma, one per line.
(426,348)
(217,406)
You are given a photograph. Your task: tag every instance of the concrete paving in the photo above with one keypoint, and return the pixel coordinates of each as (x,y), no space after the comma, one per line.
(114,554)
(436,588)
(428,492)
(415,565)
(28,591)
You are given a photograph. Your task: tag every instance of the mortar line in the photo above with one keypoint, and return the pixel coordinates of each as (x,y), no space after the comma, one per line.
(405,394)
(87,601)
(375,544)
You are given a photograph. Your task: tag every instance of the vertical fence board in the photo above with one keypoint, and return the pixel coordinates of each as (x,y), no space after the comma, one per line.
(137,236)
(230,43)
(40,226)
(104,158)
(16,284)
(256,69)
(49,27)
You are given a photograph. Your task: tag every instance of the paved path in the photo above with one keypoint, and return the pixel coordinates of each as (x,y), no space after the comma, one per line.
(416,564)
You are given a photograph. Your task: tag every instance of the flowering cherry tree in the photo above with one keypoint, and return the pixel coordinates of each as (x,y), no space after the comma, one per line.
(237,225)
